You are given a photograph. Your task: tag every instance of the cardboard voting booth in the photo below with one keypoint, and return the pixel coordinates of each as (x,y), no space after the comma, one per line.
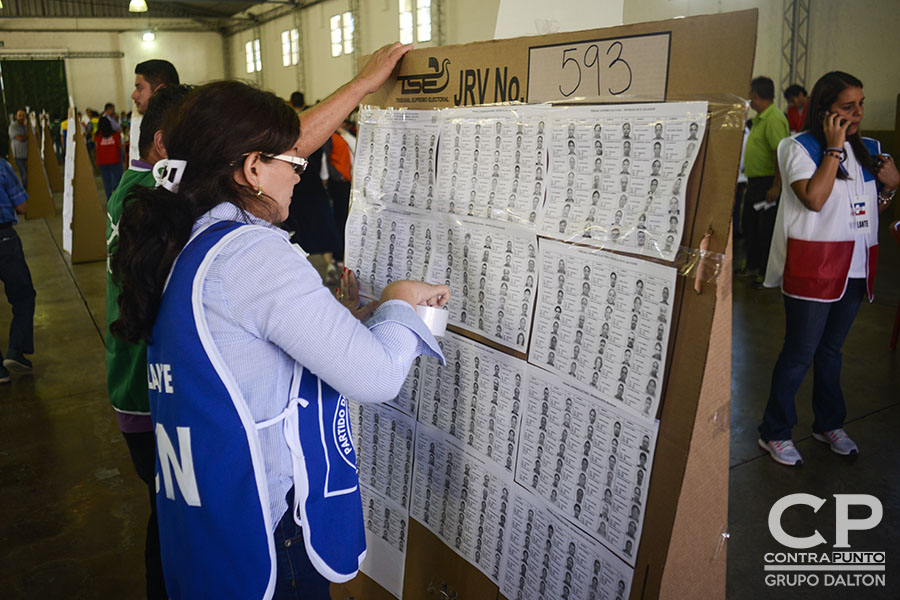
(40,199)
(51,165)
(681,549)
(83,219)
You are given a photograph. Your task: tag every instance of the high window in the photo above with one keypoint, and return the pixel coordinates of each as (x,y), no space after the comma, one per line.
(342,34)
(290,47)
(415,21)
(254,58)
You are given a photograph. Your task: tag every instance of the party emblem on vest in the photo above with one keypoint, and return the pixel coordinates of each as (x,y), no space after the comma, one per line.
(859,208)
(343,438)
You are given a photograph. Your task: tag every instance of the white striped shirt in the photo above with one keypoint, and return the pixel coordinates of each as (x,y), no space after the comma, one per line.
(267,309)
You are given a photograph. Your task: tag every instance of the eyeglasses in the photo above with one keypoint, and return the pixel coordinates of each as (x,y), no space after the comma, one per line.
(299,163)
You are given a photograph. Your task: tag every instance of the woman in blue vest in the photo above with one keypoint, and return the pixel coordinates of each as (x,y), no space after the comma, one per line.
(250,358)
(823,257)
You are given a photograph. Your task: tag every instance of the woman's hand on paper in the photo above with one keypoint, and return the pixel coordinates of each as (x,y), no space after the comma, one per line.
(348,295)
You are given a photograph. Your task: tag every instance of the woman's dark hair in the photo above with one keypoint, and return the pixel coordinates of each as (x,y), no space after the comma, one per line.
(824,94)
(105,127)
(216,126)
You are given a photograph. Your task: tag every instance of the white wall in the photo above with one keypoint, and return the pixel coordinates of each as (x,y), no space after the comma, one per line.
(859,37)
(197,56)
(93,82)
(470,20)
(536,17)
(863,39)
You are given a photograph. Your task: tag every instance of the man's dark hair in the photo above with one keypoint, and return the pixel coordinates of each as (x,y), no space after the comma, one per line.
(105,127)
(763,87)
(298,100)
(794,90)
(157,109)
(157,72)
(108,106)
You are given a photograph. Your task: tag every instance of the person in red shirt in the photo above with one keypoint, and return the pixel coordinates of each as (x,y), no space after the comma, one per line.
(109,155)
(798,104)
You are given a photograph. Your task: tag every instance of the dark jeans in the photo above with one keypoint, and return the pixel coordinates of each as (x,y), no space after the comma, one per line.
(22,166)
(19,291)
(297,578)
(142,446)
(111,175)
(815,333)
(758,226)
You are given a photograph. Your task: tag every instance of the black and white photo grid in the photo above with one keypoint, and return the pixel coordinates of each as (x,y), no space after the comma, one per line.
(529,452)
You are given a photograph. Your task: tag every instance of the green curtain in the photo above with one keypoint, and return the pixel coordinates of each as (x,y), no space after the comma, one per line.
(38,84)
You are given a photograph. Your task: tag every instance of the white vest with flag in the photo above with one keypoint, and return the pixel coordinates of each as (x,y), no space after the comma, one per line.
(811,251)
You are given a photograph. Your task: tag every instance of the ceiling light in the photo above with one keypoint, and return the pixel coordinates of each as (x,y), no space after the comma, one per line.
(148,36)
(136,6)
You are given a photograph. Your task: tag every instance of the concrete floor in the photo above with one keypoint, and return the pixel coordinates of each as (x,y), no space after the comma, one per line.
(73,510)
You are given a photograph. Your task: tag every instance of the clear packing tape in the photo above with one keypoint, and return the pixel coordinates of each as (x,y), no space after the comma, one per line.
(725,112)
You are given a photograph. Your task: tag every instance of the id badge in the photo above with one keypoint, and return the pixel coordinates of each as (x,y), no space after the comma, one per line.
(862,215)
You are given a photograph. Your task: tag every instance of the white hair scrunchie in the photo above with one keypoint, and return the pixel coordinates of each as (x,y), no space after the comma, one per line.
(168,173)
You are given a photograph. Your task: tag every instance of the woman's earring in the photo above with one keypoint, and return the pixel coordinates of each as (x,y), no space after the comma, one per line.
(259,192)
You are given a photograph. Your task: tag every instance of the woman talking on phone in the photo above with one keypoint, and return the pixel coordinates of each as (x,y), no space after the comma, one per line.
(250,358)
(823,257)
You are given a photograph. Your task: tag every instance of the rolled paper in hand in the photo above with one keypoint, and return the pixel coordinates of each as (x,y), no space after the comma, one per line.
(435,318)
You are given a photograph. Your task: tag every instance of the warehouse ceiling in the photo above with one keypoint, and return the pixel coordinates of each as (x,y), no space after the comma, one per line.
(208,14)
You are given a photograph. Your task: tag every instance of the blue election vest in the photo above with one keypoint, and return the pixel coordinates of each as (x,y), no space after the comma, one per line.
(215,527)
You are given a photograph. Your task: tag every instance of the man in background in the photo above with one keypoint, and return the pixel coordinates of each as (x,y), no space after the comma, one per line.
(14,274)
(149,76)
(310,216)
(18,137)
(339,150)
(798,104)
(763,179)
(109,113)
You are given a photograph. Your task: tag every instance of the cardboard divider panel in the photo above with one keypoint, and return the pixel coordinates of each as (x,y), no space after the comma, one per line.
(40,199)
(88,220)
(51,165)
(681,552)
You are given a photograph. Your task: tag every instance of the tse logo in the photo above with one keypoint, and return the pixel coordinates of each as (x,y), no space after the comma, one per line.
(843,523)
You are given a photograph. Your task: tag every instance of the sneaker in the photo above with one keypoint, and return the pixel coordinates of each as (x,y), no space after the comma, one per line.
(838,441)
(782,451)
(16,361)
(4,374)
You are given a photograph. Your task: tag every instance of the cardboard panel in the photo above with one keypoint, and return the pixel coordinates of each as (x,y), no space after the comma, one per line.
(40,199)
(446,574)
(88,220)
(695,564)
(51,165)
(709,58)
